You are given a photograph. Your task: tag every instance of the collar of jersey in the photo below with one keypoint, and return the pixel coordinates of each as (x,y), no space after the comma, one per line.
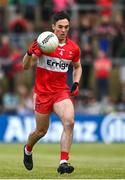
(63,44)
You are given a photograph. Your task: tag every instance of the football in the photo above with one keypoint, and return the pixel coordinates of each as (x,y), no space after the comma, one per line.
(48,41)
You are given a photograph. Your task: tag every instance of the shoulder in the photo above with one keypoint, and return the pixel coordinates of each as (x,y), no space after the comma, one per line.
(74,49)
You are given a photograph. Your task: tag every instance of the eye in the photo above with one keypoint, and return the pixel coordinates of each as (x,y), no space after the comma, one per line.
(66,27)
(60,27)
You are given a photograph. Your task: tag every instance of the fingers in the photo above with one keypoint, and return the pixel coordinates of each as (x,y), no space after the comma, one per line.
(75,89)
(35,44)
(75,93)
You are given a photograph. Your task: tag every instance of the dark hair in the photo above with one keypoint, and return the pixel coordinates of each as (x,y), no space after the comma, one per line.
(60,15)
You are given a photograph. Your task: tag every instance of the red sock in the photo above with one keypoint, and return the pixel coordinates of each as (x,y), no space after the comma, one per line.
(64,155)
(28,148)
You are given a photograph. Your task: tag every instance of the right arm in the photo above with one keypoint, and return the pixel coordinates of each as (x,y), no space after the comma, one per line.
(33,53)
(29,61)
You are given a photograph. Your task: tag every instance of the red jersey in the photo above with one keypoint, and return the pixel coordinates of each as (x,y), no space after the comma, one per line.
(51,70)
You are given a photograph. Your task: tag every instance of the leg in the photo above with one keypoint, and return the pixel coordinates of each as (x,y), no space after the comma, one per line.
(65,110)
(42,124)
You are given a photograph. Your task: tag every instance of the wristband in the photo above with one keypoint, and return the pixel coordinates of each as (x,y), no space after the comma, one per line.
(76,83)
(29,54)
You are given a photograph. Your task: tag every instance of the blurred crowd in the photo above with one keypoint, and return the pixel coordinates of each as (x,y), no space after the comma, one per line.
(98,26)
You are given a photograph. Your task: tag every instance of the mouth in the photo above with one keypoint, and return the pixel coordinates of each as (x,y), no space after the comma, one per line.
(62,35)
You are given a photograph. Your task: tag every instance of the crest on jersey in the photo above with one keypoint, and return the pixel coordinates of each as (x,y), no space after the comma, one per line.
(70,54)
(61,51)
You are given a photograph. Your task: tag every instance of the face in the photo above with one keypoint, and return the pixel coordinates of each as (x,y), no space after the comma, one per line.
(61,29)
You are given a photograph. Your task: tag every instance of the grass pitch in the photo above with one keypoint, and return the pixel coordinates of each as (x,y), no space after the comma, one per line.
(91,161)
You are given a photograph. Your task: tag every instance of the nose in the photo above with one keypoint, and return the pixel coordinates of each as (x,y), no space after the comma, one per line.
(63,29)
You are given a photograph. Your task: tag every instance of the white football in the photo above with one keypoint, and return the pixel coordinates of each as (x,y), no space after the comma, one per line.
(48,41)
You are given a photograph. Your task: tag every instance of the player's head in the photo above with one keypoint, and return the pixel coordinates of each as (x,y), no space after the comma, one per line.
(60,24)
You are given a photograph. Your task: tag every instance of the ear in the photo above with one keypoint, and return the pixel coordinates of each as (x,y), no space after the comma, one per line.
(53,27)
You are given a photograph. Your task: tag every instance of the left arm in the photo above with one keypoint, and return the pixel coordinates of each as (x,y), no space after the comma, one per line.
(77,71)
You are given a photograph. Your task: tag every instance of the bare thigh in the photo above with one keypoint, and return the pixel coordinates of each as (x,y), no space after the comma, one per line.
(65,110)
(42,121)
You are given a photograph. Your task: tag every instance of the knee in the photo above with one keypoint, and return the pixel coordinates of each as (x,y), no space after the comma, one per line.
(68,122)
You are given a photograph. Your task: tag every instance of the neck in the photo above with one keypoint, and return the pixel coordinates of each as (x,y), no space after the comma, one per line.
(62,41)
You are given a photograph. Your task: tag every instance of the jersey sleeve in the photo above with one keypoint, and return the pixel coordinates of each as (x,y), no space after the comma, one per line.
(76,54)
